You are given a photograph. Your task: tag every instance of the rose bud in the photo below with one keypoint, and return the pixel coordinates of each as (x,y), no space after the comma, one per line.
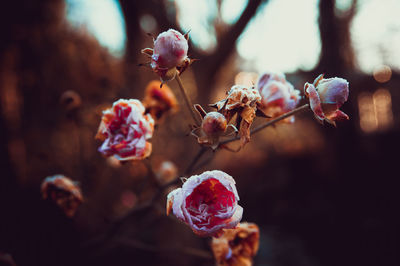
(214,124)
(125,129)
(326,97)
(207,203)
(159,100)
(64,192)
(170,49)
(169,54)
(236,247)
(278,96)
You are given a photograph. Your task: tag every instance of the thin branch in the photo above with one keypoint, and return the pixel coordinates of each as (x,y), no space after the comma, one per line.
(269,123)
(188,102)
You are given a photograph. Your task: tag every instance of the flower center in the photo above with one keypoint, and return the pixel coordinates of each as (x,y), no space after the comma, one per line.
(209,202)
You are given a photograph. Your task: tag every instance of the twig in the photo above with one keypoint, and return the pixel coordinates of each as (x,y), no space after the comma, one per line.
(188,102)
(269,123)
(191,166)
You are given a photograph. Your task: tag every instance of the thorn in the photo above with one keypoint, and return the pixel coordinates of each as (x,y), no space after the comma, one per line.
(186,35)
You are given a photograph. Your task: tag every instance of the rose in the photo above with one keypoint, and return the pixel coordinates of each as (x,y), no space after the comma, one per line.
(207,203)
(170,49)
(278,96)
(125,130)
(326,97)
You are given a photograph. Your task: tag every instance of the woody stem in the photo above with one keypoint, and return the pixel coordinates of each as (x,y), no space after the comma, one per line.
(270,122)
(188,102)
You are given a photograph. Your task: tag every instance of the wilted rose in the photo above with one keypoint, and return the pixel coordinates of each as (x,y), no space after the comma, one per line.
(236,247)
(62,191)
(125,130)
(326,97)
(278,95)
(159,100)
(244,101)
(207,203)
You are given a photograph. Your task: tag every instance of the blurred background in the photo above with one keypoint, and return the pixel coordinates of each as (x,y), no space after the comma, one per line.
(320,195)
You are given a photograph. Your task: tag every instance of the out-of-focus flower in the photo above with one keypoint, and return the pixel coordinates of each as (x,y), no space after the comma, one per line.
(236,247)
(159,100)
(213,126)
(245,102)
(125,129)
(64,192)
(326,97)
(278,96)
(207,203)
(6,259)
(169,54)
(166,172)
(71,100)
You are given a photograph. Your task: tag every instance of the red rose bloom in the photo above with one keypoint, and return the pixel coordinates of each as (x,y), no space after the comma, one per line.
(207,203)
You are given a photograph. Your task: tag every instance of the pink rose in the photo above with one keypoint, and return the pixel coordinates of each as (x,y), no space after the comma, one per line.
(326,97)
(207,203)
(278,95)
(170,50)
(125,130)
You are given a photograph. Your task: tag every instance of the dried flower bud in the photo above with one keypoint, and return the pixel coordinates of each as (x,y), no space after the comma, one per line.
(243,101)
(64,192)
(278,95)
(236,247)
(125,129)
(214,124)
(207,203)
(326,97)
(159,100)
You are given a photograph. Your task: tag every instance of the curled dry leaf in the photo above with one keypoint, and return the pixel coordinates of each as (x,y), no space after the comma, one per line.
(236,247)
(244,102)
(62,191)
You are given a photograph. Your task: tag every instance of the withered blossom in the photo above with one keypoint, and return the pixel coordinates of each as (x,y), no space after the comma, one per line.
(236,247)
(125,131)
(207,203)
(62,191)
(326,97)
(244,102)
(159,100)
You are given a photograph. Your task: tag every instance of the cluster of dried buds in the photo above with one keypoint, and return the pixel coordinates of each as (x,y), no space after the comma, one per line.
(169,55)
(64,192)
(208,203)
(236,247)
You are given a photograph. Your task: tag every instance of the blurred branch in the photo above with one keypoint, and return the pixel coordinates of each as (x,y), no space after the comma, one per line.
(206,69)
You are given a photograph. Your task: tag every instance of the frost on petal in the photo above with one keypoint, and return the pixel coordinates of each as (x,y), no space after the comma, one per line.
(326,97)
(125,129)
(62,191)
(278,95)
(207,203)
(170,49)
(236,246)
(315,102)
